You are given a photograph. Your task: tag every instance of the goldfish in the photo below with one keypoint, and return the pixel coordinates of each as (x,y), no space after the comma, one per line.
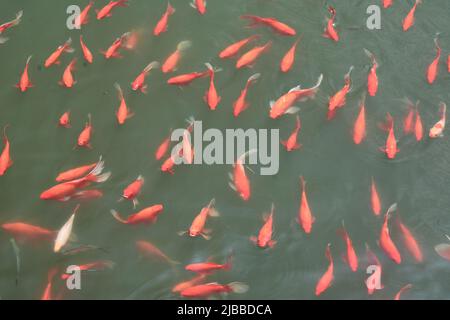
(139,82)
(234,48)
(197,227)
(5,157)
(433,68)
(291,143)
(330,30)
(350,258)
(47,294)
(274,24)
(168,165)
(438,129)
(86,52)
(171,62)
(338,100)
(161,26)
(386,242)
(106,11)
(418,127)
(199,5)
(92,266)
(359,128)
(24,82)
(305,217)
(373,260)
(188,153)
(372,78)
(67,78)
(375,199)
(409,19)
(123,113)
(83,17)
(76,173)
(84,139)
(185,79)
(289,58)
(390,149)
(448,63)
(163,148)
(239,180)
(402,290)
(387,3)
(133,190)
(7,25)
(327,278)
(64,120)
(112,51)
(189,283)
(284,104)
(131,41)
(24,232)
(408,125)
(410,242)
(54,57)
(209,267)
(147,215)
(208,289)
(264,238)
(443,249)
(251,56)
(241,104)
(64,233)
(148,249)
(211,96)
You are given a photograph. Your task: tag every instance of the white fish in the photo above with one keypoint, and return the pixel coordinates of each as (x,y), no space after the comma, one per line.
(64,233)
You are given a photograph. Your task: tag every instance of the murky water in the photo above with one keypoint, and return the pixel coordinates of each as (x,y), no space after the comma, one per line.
(337,171)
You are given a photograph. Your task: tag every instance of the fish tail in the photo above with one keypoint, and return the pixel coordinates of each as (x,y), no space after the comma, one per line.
(238,287)
(122,3)
(253,78)
(328,253)
(254,20)
(229,264)
(117,216)
(348,74)
(298,124)
(151,65)
(119,90)
(184,45)
(18,18)
(318,83)
(103,177)
(442,109)
(210,68)
(246,154)
(68,46)
(29,59)
(170,9)
(5,138)
(303,182)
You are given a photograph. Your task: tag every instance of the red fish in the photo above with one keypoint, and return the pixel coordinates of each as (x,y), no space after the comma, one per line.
(249,58)
(123,113)
(274,24)
(147,215)
(350,258)
(163,148)
(83,18)
(139,82)
(64,120)
(199,5)
(86,52)
(24,82)
(185,79)
(189,283)
(197,227)
(386,242)
(387,3)
(410,242)
(433,68)
(106,11)
(359,128)
(448,63)
(24,232)
(67,78)
(264,238)
(84,139)
(372,259)
(327,278)
(47,295)
(330,30)
(208,289)
(409,19)
(168,165)
(5,26)
(148,249)
(241,104)
(161,26)
(5,157)
(211,98)
(54,57)
(375,199)
(438,129)
(209,267)
(291,143)
(76,173)
(133,190)
(92,266)
(402,290)
(305,217)
(372,78)
(418,127)
(239,180)
(408,122)
(284,104)
(339,98)
(234,48)
(390,149)
(112,51)
(289,58)
(171,62)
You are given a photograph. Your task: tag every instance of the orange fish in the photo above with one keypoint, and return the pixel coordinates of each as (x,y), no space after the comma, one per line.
(25,82)
(106,11)
(24,232)
(5,26)
(239,180)
(133,190)
(402,290)
(390,149)
(433,68)
(350,258)
(211,97)
(289,58)
(305,217)
(112,51)
(47,295)
(84,139)
(274,24)
(234,48)
(359,128)
(123,113)
(199,5)
(92,266)
(64,120)
(410,242)
(264,238)
(83,18)
(372,78)
(327,278)
(86,52)
(209,267)
(185,79)
(418,127)
(139,82)
(168,165)
(67,78)
(448,63)
(197,227)
(54,57)
(408,126)
(330,31)
(372,259)
(241,104)
(284,104)
(5,157)
(163,148)
(161,26)
(386,242)
(409,19)
(438,129)
(76,173)
(249,58)
(189,283)
(171,62)
(148,249)
(339,99)
(375,199)
(291,143)
(208,289)
(147,215)
(387,3)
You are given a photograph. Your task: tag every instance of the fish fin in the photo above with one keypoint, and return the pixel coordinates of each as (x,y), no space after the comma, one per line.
(135,202)
(144,89)
(117,216)
(193,5)
(272,103)
(295,88)
(272,243)
(181,233)
(205,236)
(10,163)
(292,110)
(207,231)
(297,146)
(254,239)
